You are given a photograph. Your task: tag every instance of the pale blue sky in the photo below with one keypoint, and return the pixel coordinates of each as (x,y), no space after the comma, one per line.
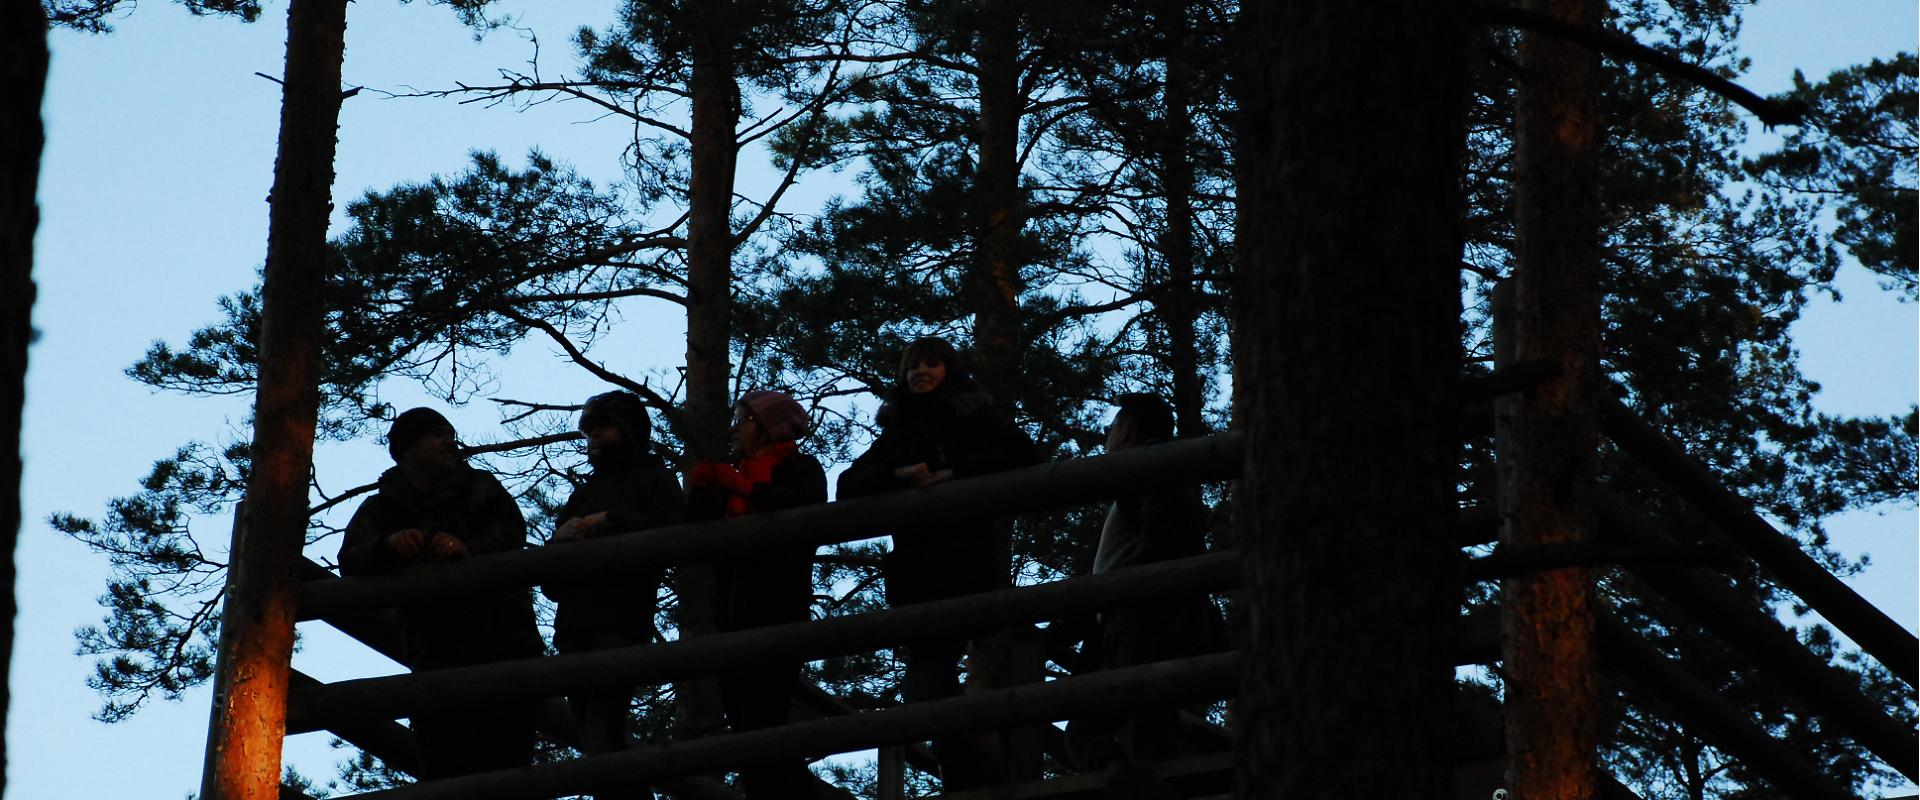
(159,157)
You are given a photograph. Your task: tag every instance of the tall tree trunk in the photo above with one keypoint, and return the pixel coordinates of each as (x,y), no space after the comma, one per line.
(716,110)
(996,270)
(1178,308)
(998,345)
(1552,435)
(256,622)
(23,62)
(1351,152)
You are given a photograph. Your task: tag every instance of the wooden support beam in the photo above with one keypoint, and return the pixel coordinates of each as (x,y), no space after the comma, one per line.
(1192,776)
(1047,486)
(1203,678)
(386,740)
(1696,706)
(1758,637)
(816,703)
(380,631)
(1869,627)
(399,695)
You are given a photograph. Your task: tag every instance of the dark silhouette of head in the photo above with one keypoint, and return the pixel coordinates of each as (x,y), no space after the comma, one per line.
(620,409)
(1142,419)
(413,425)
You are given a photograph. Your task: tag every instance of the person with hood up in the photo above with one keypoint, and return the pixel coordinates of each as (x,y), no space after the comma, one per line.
(938,425)
(772,587)
(631,489)
(431,509)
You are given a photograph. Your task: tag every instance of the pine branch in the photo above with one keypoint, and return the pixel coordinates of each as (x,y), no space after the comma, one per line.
(1624,47)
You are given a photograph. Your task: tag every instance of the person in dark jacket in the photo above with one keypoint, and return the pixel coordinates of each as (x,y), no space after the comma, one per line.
(631,489)
(431,508)
(1145,528)
(938,425)
(772,587)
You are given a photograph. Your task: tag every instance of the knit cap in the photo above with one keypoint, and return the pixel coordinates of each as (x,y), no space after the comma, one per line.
(783,418)
(410,426)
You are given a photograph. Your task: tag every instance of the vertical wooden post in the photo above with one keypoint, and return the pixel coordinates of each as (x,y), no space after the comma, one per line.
(256,621)
(1027,657)
(1551,434)
(23,79)
(893,773)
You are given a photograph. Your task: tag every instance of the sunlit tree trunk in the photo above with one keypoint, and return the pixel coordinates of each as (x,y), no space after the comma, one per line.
(1551,436)
(1350,157)
(23,80)
(256,624)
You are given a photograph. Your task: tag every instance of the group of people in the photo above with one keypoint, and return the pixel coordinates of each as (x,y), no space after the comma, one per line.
(936,425)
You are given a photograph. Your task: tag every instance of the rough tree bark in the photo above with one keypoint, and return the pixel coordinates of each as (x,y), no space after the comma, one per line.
(1178,309)
(1550,438)
(23,80)
(997,339)
(712,153)
(1350,156)
(256,623)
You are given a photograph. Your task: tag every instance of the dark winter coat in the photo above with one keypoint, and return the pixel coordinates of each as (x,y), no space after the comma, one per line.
(1147,528)
(1144,529)
(637,491)
(775,586)
(473,507)
(962,431)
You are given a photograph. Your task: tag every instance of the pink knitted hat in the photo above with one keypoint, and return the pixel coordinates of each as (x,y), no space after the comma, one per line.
(784,419)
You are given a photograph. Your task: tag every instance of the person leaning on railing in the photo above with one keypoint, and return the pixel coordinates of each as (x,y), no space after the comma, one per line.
(1145,528)
(433,508)
(631,489)
(768,588)
(938,425)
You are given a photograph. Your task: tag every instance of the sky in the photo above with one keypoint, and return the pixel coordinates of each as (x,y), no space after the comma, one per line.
(153,185)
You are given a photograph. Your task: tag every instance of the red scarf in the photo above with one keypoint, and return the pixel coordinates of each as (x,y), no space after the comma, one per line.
(758,468)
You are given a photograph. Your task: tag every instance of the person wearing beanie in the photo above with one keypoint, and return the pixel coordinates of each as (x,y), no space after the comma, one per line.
(630,489)
(774,587)
(938,425)
(430,509)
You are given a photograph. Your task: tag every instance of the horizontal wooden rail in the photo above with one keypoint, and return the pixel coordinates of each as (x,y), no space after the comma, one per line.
(386,740)
(1778,554)
(1168,682)
(1759,638)
(394,696)
(389,697)
(1046,486)
(393,744)
(1706,715)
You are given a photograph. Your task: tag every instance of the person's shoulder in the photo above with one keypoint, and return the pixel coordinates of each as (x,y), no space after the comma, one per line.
(976,404)
(478,481)
(386,489)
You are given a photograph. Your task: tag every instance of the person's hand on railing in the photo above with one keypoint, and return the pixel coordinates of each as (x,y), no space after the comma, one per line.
(579,528)
(447,546)
(409,543)
(920,476)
